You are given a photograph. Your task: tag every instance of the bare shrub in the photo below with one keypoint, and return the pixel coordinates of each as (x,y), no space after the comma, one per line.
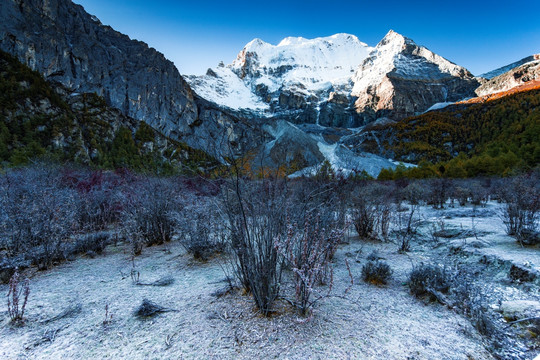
(372,211)
(439,191)
(521,211)
(38,214)
(461,194)
(255,211)
(99,200)
(376,272)
(407,226)
(17,297)
(150,214)
(364,217)
(203,230)
(108,315)
(149,308)
(414,193)
(470,189)
(308,252)
(92,242)
(429,280)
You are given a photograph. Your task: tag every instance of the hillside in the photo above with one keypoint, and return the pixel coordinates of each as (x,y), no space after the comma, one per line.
(40,119)
(488,138)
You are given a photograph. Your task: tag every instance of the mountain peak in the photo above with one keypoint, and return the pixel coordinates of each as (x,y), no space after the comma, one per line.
(394,38)
(256,44)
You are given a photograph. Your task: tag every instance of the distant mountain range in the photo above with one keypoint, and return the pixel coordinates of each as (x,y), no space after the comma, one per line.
(294,104)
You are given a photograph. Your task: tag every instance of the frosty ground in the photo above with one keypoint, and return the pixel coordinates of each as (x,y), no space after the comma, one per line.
(358,321)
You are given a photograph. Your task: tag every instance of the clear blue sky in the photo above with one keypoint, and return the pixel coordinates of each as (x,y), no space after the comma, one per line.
(196,35)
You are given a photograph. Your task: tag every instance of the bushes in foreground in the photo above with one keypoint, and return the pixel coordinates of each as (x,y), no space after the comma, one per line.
(38,215)
(521,212)
(428,280)
(376,272)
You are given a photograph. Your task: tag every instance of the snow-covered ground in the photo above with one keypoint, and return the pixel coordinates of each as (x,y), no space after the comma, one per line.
(365,322)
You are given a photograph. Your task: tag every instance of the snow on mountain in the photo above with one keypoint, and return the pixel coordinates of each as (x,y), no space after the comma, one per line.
(400,78)
(314,64)
(439,106)
(400,56)
(344,161)
(491,74)
(335,82)
(517,76)
(223,87)
(308,68)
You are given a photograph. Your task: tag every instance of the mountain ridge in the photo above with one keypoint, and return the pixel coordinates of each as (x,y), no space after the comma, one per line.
(283,81)
(67,45)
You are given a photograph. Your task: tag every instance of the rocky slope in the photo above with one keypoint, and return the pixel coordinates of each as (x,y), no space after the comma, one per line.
(67,45)
(400,79)
(38,118)
(493,73)
(515,76)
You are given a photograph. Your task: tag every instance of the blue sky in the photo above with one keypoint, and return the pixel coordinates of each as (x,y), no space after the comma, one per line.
(196,35)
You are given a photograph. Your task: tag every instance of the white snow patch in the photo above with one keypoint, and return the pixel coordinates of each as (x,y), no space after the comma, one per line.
(226,89)
(438,106)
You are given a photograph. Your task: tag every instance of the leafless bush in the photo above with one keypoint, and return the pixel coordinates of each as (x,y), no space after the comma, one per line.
(462,195)
(372,211)
(255,211)
(470,189)
(364,217)
(108,315)
(149,309)
(38,214)
(308,252)
(18,291)
(150,214)
(414,193)
(439,191)
(429,280)
(521,211)
(92,242)
(203,230)
(99,200)
(469,298)
(376,272)
(407,226)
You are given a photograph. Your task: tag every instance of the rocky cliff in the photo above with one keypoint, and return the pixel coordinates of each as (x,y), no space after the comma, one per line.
(40,119)
(69,46)
(400,79)
(493,73)
(517,76)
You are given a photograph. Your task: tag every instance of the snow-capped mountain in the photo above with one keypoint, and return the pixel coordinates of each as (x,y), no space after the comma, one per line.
(514,76)
(311,65)
(493,73)
(400,78)
(301,80)
(335,81)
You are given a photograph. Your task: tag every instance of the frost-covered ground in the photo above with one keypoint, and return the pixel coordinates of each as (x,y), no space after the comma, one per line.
(366,322)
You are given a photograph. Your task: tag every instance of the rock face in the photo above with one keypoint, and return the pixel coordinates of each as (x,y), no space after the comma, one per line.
(400,79)
(69,46)
(514,77)
(491,74)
